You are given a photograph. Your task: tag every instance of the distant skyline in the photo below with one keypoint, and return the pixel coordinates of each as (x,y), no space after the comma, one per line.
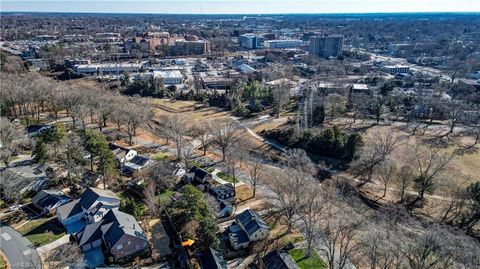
(240,6)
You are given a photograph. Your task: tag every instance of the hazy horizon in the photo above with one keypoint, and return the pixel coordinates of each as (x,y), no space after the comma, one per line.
(242,7)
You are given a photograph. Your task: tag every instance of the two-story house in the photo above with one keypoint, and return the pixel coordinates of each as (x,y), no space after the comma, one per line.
(90,207)
(119,232)
(248,227)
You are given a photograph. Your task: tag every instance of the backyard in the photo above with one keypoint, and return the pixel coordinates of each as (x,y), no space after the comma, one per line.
(42,231)
(313,261)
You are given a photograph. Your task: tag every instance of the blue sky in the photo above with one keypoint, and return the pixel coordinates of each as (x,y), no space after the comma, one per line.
(241,6)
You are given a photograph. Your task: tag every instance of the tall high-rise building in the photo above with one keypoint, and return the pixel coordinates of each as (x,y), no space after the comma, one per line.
(326,46)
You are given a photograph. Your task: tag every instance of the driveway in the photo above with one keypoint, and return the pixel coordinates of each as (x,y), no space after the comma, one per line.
(19,250)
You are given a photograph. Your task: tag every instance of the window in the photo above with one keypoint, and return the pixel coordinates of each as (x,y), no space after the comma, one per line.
(119,246)
(129,242)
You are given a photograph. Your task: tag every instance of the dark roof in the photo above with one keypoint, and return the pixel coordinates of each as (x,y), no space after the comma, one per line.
(279,260)
(112,146)
(139,160)
(90,233)
(198,172)
(69,209)
(223,189)
(212,259)
(239,236)
(49,199)
(117,223)
(251,221)
(90,196)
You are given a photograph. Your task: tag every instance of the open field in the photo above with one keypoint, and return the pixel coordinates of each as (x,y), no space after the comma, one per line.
(461,171)
(211,115)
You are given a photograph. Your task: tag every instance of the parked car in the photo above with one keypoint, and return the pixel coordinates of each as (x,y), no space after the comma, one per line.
(14,208)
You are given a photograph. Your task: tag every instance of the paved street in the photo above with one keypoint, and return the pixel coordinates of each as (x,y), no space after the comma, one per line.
(18,249)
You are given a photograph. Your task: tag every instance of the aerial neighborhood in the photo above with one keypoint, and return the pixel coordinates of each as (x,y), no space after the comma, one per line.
(269,141)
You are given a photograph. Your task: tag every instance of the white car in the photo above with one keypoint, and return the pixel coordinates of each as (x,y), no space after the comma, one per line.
(15,208)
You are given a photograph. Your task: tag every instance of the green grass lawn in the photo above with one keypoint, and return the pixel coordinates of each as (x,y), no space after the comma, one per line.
(160,156)
(42,231)
(313,262)
(165,197)
(227,178)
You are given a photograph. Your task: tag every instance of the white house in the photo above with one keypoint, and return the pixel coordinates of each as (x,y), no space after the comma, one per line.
(249,227)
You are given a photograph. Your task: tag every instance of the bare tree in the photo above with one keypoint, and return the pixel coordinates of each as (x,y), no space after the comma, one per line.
(429,163)
(437,247)
(458,201)
(136,115)
(335,104)
(256,173)
(103,104)
(68,255)
(289,188)
(455,109)
(385,173)
(339,229)
(73,157)
(404,180)
(380,146)
(377,107)
(175,127)
(299,160)
(202,131)
(472,215)
(161,172)
(380,245)
(150,198)
(357,104)
(234,158)
(11,138)
(311,212)
(117,115)
(225,135)
(281,96)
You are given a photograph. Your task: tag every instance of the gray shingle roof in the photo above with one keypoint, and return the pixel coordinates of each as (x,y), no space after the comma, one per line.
(250,221)
(117,223)
(90,233)
(90,196)
(213,259)
(49,199)
(69,209)
(238,235)
(279,260)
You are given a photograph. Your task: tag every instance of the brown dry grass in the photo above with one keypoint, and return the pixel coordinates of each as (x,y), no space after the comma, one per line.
(462,170)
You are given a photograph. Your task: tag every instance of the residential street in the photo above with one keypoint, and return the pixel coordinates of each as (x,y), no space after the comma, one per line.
(18,249)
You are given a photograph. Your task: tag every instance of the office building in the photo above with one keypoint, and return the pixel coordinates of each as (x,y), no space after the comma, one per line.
(283,43)
(326,46)
(183,47)
(250,41)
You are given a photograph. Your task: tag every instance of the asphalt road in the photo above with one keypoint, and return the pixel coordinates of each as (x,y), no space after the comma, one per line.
(19,250)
